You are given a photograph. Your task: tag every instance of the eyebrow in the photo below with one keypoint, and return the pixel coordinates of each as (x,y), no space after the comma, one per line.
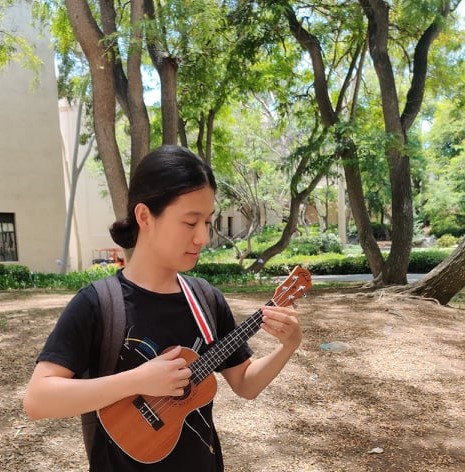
(197,213)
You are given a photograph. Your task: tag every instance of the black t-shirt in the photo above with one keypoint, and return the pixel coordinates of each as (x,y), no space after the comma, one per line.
(154,323)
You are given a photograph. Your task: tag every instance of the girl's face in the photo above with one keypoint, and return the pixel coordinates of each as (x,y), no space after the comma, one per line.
(176,237)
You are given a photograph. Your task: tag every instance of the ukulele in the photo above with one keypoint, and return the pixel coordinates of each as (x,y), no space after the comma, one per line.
(148,428)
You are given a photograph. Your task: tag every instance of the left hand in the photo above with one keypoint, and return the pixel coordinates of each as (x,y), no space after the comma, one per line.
(283,323)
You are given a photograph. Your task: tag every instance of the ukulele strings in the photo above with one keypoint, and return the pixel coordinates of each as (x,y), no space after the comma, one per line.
(161,404)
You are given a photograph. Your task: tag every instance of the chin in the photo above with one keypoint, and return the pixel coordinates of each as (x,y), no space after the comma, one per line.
(186,266)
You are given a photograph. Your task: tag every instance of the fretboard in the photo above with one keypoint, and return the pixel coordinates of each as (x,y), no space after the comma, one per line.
(220,351)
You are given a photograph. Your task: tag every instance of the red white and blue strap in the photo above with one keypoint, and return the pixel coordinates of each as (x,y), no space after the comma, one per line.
(197,311)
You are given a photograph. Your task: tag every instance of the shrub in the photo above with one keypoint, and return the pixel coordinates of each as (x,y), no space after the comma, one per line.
(424,261)
(447,240)
(14,276)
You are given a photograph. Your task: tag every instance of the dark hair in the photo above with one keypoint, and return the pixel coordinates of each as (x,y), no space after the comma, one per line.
(160,177)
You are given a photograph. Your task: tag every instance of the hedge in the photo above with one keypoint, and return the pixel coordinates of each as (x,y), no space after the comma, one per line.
(14,276)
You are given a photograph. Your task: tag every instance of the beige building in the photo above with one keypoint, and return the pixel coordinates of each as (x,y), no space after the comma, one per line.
(36,145)
(32,203)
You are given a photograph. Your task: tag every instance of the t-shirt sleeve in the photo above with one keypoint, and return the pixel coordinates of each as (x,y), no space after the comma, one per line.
(225,324)
(75,339)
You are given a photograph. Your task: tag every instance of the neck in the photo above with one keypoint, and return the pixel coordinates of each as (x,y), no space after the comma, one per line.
(148,275)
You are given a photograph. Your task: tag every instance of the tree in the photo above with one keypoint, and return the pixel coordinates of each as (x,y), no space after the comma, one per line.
(76,169)
(397,124)
(346,52)
(417,27)
(309,166)
(108,78)
(248,157)
(178,35)
(444,281)
(444,190)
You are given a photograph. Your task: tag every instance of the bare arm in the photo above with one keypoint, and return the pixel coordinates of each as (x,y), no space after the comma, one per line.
(53,392)
(251,377)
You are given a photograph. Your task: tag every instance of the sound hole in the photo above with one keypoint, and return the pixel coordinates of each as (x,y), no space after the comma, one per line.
(187,392)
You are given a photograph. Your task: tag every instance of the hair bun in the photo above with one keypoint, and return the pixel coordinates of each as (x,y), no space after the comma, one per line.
(123,233)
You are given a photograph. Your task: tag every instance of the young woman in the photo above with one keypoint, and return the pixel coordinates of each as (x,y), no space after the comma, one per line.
(170,209)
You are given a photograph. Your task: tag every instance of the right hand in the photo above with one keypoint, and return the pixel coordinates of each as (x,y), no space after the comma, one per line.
(165,375)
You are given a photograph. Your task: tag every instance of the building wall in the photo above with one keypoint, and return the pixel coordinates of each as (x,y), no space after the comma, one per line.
(31,172)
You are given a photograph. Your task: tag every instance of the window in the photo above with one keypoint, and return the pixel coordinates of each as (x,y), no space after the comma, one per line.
(8,250)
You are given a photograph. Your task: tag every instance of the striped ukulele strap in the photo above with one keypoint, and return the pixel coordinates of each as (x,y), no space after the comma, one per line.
(197,311)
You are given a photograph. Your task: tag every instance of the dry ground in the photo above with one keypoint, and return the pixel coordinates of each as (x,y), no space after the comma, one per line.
(398,390)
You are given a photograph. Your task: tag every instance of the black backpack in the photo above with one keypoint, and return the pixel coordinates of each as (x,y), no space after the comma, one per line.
(111,303)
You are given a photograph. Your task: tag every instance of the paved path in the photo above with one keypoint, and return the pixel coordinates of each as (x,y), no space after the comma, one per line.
(357,278)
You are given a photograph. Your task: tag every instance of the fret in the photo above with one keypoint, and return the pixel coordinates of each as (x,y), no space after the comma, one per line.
(220,351)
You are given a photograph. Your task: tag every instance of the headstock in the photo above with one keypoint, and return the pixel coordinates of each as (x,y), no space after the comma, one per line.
(295,285)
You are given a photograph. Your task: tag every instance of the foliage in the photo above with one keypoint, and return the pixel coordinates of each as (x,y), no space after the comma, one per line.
(238,60)
(426,260)
(301,244)
(15,276)
(313,245)
(444,191)
(14,47)
(222,273)
(447,240)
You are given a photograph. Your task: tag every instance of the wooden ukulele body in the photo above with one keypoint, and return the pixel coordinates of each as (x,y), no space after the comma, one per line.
(148,428)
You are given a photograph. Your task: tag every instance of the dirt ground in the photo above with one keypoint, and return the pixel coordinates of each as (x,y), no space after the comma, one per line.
(392,401)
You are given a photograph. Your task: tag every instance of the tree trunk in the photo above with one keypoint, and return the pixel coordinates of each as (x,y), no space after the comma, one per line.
(200,136)
(359,210)
(182,132)
(209,141)
(167,68)
(138,117)
(169,109)
(101,66)
(396,267)
(129,90)
(444,281)
(286,235)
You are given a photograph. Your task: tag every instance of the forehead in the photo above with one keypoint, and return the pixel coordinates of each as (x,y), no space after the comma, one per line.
(195,203)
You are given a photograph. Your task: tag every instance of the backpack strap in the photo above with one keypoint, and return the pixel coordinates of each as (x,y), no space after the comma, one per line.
(113,322)
(206,297)
(113,319)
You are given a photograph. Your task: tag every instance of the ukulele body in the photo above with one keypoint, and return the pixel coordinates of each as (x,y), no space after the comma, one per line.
(148,428)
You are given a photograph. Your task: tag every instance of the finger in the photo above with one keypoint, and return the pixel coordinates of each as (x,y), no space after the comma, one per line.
(179,392)
(279,310)
(171,353)
(279,318)
(184,375)
(272,324)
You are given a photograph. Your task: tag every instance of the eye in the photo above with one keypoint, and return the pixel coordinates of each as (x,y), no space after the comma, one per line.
(192,225)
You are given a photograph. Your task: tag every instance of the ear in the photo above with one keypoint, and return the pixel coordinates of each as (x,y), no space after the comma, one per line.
(143,215)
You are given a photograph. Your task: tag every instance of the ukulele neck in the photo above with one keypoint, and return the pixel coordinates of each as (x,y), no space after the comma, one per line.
(219,352)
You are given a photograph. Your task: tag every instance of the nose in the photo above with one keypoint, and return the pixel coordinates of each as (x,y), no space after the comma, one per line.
(202,234)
